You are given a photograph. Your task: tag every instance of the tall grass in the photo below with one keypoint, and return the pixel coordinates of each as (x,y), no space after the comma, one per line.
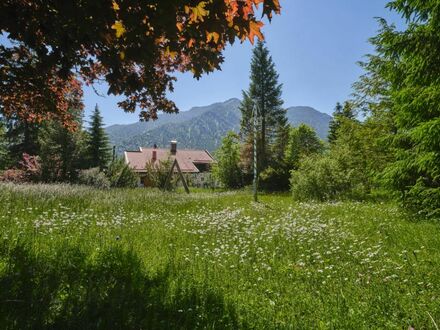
(75,257)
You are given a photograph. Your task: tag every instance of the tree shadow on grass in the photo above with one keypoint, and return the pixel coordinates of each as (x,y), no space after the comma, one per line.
(110,290)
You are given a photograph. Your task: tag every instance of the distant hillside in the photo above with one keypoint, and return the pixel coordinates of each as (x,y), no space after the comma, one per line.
(201,127)
(309,116)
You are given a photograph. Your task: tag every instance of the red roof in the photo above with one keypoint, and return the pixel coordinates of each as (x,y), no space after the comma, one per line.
(185,158)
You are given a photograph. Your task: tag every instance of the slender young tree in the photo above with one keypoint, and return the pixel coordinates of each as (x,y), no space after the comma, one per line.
(98,144)
(334,123)
(263,98)
(4,154)
(342,112)
(227,169)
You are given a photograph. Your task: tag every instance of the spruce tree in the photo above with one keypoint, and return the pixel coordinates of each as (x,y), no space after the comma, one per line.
(264,95)
(98,143)
(402,86)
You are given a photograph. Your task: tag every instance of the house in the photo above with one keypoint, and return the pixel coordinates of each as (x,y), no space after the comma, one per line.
(194,164)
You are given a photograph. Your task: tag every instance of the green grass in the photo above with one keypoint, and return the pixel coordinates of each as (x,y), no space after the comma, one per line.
(78,258)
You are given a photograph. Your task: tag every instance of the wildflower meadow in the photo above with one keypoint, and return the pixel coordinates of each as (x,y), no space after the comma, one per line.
(77,258)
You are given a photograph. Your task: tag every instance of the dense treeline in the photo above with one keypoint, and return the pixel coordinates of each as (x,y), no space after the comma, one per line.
(386,138)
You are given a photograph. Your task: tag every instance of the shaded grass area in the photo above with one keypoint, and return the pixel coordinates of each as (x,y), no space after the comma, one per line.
(111,290)
(74,257)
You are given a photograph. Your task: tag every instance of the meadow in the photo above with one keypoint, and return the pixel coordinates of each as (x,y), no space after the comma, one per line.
(78,258)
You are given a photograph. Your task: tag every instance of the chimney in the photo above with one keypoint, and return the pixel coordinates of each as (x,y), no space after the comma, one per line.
(154,155)
(173,147)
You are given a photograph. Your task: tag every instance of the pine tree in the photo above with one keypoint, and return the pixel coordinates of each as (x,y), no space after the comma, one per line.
(263,95)
(98,144)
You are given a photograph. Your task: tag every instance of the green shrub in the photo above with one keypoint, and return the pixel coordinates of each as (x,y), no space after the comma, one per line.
(319,178)
(157,174)
(121,175)
(274,179)
(330,176)
(95,178)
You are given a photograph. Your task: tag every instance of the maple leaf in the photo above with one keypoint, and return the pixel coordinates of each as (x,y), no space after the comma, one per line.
(212,36)
(255,30)
(198,12)
(119,28)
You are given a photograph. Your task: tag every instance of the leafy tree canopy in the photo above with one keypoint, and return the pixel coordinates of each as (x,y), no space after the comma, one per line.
(133,45)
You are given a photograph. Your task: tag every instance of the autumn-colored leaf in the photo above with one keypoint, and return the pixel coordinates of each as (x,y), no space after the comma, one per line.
(170,53)
(115,6)
(214,36)
(119,29)
(255,30)
(198,12)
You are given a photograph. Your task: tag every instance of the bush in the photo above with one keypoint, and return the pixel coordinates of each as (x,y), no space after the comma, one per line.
(94,177)
(157,174)
(274,179)
(121,175)
(31,167)
(319,178)
(329,176)
(13,175)
(29,171)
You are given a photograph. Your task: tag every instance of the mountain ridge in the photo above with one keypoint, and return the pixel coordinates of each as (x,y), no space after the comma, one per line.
(202,127)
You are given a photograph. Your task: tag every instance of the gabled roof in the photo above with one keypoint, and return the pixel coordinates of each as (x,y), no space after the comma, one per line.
(185,158)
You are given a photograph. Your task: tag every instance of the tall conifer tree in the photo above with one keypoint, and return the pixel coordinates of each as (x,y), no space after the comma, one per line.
(264,94)
(98,143)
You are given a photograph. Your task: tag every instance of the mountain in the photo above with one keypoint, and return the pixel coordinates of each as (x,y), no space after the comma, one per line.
(201,127)
(312,117)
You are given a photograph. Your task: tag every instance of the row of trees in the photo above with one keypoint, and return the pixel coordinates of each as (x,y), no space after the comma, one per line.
(60,154)
(394,148)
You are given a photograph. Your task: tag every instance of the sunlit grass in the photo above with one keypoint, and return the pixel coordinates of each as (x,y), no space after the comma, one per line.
(212,260)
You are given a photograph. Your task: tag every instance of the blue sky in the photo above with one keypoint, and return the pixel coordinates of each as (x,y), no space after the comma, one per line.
(315,45)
